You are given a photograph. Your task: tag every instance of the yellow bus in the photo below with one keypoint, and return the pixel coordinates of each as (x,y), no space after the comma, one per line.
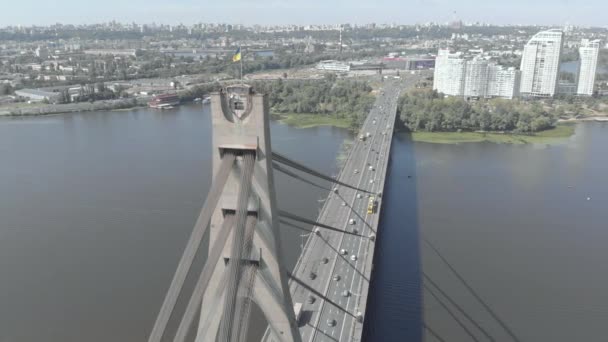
(371,207)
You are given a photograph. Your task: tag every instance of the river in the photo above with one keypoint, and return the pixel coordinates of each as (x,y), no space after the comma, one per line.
(96,209)
(524,226)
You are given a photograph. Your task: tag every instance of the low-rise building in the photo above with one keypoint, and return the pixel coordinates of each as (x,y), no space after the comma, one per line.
(37,95)
(331,65)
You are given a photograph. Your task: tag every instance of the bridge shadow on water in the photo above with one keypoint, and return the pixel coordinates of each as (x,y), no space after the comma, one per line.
(394,307)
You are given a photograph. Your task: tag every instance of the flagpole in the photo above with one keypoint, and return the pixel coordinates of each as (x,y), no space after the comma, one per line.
(241,51)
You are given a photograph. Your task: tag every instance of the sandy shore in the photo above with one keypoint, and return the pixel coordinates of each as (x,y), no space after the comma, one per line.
(588,118)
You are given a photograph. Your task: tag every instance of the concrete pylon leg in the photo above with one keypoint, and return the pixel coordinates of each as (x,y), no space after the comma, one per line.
(210,322)
(240,120)
(212,301)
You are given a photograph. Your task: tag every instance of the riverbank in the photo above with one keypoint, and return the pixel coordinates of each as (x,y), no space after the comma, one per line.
(303,120)
(554,135)
(584,119)
(34,109)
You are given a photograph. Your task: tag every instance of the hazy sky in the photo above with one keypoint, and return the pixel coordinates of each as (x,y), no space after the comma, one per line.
(554,12)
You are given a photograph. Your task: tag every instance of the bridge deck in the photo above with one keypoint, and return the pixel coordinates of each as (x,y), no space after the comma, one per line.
(334,318)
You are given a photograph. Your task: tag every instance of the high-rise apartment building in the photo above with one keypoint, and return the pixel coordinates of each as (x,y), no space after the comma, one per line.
(476,78)
(449,73)
(503,82)
(540,64)
(456,75)
(588,52)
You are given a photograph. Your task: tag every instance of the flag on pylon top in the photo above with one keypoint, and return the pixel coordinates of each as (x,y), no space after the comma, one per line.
(237,55)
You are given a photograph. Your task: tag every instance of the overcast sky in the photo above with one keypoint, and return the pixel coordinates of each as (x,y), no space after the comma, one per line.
(543,12)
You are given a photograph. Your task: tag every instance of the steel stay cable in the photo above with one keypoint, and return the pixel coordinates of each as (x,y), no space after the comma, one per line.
(185,263)
(196,298)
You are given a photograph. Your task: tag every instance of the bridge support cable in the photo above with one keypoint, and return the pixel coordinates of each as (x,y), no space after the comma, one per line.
(184,265)
(245,301)
(433,333)
(279,168)
(284,160)
(294,217)
(452,314)
(196,298)
(459,308)
(472,291)
(289,224)
(318,294)
(235,264)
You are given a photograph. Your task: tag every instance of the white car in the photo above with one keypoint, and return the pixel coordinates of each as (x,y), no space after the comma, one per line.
(356,171)
(353,257)
(359,196)
(343,251)
(351,221)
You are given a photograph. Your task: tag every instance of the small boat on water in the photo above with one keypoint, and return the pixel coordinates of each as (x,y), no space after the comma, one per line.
(198,99)
(164,101)
(206,100)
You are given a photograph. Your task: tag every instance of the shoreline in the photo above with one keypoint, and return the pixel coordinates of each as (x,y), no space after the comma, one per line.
(585,119)
(309,120)
(69,108)
(558,134)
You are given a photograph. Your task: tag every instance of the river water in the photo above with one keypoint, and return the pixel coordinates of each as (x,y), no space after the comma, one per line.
(96,208)
(524,227)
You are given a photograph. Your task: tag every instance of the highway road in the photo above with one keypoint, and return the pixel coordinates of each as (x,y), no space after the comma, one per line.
(334,266)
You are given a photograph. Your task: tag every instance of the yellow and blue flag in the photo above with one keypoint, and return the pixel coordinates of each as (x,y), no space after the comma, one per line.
(237,55)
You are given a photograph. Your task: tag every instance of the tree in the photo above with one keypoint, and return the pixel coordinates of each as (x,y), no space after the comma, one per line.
(5,89)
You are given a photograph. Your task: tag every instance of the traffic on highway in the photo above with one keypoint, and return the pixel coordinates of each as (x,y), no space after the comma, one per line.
(332,275)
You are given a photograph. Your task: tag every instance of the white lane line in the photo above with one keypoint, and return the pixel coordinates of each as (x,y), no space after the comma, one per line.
(355,266)
(353,205)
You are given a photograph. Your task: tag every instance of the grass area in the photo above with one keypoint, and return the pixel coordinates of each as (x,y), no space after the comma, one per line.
(545,137)
(302,120)
(14,105)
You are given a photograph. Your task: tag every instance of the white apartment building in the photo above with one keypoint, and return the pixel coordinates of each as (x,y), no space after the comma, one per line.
(503,82)
(588,52)
(476,78)
(540,64)
(449,75)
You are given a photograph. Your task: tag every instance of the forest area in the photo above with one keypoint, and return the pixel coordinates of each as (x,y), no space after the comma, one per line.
(330,97)
(428,110)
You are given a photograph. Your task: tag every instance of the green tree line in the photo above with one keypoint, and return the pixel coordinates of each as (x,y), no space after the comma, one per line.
(343,99)
(427,110)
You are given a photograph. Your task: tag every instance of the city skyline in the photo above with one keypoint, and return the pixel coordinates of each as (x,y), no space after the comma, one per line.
(282,12)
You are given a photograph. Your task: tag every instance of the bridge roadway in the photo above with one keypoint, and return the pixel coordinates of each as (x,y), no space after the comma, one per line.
(323,266)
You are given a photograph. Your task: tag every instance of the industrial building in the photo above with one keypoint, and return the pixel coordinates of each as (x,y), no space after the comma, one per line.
(332,65)
(37,95)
